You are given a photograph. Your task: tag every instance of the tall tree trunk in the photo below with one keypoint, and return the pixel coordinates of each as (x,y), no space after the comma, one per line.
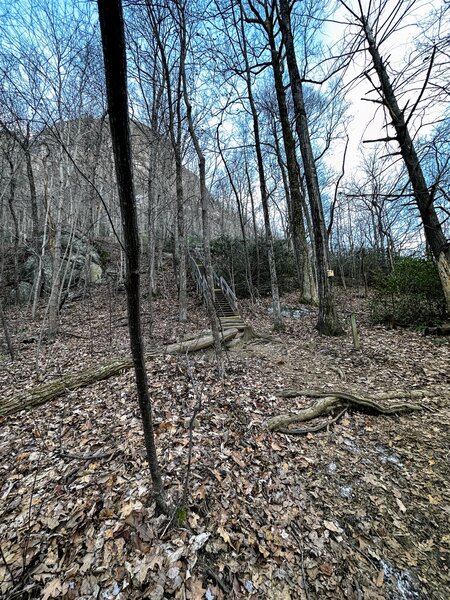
(204,202)
(440,246)
(152,195)
(12,210)
(112,30)
(175,132)
(255,227)
(40,251)
(151,217)
(4,322)
(32,185)
(328,322)
(181,231)
(277,318)
(307,284)
(55,248)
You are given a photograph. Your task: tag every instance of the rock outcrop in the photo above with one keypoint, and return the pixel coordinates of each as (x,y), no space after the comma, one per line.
(80,261)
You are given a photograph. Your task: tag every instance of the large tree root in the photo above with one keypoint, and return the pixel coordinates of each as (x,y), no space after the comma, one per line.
(53,389)
(337,400)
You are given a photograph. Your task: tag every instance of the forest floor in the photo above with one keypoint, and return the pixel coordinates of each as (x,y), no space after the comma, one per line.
(358,511)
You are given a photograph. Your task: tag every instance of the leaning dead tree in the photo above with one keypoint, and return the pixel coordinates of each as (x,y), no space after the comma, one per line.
(400,120)
(338,401)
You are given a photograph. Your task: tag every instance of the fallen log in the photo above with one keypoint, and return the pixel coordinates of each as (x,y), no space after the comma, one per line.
(72,381)
(430,392)
(337,400)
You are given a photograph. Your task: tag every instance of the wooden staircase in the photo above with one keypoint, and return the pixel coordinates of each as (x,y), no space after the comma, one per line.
(225,301)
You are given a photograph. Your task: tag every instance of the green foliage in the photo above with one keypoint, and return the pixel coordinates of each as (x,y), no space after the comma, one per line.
(230,261)
(182,515)
(410,295)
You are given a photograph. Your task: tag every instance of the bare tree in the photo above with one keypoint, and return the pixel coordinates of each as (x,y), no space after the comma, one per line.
(159,16)
(328,322)
(266,19)
(113,40)
(376,26)
(203,190)
(277,318)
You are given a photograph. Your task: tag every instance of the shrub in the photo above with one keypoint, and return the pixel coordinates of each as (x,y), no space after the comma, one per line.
(410,295)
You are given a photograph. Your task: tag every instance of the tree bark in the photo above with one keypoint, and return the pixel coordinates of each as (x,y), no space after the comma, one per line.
(32,184)
(175,132)
(6,332)
(55,232)
(308,289)
(12,210)
(328,322)
(114,51)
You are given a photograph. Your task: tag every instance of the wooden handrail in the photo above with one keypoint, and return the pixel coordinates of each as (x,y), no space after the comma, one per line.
(218,280)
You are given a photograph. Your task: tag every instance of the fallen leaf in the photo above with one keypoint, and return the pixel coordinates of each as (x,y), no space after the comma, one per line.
(326,569)
(224,534)
(380,579)
(52,589)
(434,499)
(332,527)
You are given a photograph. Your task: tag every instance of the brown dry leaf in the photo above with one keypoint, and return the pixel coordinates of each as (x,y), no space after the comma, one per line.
(23,455)
(426,546)
(380,579)
(241,474)
(434,499)
(237,459)
(195,589)
(52,589)
(326,569)
(224,534)
(106,513)
(128,507)
(332,527)
(166,426)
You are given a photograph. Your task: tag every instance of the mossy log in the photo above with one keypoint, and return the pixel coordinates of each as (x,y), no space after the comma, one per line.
(338,400)
(72,381)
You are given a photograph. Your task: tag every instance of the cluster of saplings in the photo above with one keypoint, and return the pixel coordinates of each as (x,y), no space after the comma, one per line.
(409,294)
(403,291)
(247,268)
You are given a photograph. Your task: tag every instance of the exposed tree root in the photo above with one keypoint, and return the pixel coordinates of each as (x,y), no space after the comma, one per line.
(250,334)
(53,389)
(332,400)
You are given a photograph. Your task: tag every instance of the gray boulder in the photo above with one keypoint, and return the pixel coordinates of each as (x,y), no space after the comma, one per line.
(96,273)
(79,261)
(22,294)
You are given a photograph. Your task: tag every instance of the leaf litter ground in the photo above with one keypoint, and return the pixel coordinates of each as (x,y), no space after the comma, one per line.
(359,511)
